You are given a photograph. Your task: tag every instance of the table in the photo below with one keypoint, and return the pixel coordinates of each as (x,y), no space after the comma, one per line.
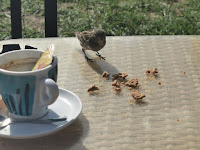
(167,118)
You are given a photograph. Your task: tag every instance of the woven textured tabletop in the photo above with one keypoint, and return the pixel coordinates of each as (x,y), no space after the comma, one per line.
(167,118)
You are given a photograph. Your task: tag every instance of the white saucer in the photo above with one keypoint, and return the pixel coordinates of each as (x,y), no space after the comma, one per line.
(67,104)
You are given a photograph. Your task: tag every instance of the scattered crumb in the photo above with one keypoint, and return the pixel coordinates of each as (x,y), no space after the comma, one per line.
(105,75)
(132,83)
(92,87)
(148,71)
(184,72)
(116,83)
(177,120)
(119,76)
(137,95)
(114,76)
(120,83)
(152,71)
(122,75)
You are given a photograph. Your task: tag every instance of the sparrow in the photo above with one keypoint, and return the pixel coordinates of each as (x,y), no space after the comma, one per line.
(93,40)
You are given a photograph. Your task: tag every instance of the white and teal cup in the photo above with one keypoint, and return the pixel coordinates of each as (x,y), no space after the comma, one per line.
(27,93)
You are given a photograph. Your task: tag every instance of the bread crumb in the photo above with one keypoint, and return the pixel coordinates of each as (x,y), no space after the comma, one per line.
(148,71)
(137,95)
(116,83)
(122,75)
(92,88)
(119,76)
(152,71)
(105,75)
(132,83)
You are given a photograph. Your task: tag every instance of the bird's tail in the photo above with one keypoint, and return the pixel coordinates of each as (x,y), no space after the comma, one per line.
(76,33)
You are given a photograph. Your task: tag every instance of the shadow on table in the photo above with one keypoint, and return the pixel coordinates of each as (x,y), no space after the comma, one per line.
(99,66)
(141,102)
(70,137)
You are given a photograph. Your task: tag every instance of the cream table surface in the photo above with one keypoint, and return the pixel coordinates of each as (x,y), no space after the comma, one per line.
(167,118)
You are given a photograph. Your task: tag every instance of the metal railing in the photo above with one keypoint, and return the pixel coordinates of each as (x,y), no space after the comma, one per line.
(50,18)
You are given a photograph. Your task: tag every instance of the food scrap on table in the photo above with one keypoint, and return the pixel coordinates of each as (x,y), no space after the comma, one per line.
(119,76)
(105,75)
(152,71)
(132,83)
(137,95)
(116,85)
(92,88)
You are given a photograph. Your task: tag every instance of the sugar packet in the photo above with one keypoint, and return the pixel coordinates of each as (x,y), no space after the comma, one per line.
(45,59)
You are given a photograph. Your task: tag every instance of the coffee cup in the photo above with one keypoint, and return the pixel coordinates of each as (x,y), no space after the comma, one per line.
(27,93)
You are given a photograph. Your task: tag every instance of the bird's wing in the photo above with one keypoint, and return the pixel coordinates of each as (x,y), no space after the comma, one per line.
(84,36)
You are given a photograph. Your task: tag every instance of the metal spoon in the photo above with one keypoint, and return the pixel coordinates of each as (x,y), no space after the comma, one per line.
(7,121)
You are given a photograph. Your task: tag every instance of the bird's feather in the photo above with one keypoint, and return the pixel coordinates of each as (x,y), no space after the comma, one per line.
(92,40)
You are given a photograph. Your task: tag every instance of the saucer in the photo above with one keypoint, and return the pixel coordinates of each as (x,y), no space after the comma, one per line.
(67,104)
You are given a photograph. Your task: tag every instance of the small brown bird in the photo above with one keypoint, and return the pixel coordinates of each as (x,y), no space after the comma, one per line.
(93,40)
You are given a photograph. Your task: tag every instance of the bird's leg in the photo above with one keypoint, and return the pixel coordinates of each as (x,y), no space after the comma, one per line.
(99,55)
(86,57)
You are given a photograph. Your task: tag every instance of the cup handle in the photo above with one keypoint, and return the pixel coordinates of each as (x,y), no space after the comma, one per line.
(49,92)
